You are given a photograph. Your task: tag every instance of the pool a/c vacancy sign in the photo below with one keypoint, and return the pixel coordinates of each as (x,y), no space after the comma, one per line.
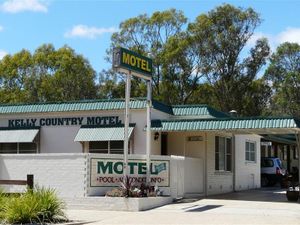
(106,172)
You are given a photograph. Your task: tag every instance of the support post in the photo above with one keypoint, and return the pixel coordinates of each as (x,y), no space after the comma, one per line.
(298,149)
(126,124)
(233,162)
(30,181)
(205,165)
(148,131)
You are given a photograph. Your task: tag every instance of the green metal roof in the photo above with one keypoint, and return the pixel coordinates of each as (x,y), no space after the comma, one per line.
(86,105)
(204,111)
(17,136)
(225,124)
(284,139)
(102,134)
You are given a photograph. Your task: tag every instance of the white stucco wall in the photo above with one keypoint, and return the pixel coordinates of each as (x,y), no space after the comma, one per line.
(60,139)
(216,182)
(247,173)
(139,117)
(178,144)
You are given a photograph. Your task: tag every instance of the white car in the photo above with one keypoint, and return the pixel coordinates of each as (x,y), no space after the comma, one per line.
(272,171)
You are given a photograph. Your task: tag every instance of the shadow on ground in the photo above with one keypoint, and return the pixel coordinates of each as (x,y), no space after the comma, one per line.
(269,194)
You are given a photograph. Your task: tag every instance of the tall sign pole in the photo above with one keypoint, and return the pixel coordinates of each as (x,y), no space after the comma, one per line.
(126,124)
(148,131)
(131,63)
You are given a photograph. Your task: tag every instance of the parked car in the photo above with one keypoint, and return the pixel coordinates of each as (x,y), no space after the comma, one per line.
(272,171)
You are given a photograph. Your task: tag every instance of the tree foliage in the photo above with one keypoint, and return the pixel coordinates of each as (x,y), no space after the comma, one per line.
(207,55)
(149,35)
(284,75)
(46,75)
(219,38)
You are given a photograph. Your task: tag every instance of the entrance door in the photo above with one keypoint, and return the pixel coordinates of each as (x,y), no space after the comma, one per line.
(164,144)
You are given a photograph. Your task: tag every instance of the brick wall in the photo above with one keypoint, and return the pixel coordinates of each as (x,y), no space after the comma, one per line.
(64,172)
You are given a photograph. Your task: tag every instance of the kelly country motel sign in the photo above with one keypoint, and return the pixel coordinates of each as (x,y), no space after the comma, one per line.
(125,60)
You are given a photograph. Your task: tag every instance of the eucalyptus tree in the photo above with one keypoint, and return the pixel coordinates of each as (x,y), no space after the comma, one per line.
(149,35)
(46,75)
(220,38)
(284,75)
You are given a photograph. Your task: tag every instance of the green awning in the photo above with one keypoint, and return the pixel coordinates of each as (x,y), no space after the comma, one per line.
(102,134)
(18,136)
(258,124)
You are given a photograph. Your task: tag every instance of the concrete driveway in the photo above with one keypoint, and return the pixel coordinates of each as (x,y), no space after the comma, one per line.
(263,206)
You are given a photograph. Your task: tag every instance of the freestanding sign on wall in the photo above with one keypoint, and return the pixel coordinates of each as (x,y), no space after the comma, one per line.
(107,172)
(131,63)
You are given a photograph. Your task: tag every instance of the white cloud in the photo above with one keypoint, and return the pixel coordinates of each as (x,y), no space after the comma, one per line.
(2,54)
(257,36)
(15,6)
(1,28)
(84,31)
(291,34)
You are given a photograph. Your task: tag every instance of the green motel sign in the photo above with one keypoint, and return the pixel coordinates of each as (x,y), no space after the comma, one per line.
(125,60)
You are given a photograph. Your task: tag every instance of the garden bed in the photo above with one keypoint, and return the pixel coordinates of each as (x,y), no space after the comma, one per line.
(105,203)
(135,204)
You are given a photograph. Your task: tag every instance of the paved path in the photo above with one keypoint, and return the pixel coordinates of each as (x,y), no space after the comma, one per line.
(235,208)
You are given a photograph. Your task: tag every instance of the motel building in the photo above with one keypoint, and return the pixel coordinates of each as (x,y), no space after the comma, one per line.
(77,147)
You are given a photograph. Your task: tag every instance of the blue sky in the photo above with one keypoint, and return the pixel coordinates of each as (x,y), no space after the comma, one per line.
(86,25)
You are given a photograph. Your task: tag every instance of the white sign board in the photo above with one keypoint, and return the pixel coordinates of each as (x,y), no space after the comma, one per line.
(109,172)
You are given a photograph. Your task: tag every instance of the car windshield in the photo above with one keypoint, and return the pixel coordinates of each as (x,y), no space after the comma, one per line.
(267,163)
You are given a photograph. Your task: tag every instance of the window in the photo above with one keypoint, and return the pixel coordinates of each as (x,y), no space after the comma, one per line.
(99,146)
(28,148)
(223,154)
(108,147)
(18,148)
(116,147)
(250,151)
(295,152)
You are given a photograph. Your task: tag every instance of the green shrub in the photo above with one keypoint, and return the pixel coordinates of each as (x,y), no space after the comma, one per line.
(35,206)
(3,200)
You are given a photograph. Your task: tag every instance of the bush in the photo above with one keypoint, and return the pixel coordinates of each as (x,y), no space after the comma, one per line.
(115,192)
(129,189)
(2,203)
(35,206)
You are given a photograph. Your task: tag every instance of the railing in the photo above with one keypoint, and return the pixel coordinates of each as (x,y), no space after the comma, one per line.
(29,182)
